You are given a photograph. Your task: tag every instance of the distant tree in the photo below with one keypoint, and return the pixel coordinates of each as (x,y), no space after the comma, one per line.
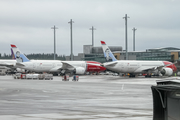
(38,56)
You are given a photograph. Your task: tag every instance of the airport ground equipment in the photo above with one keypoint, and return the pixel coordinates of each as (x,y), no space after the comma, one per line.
(33,76)
(65,78)
(45,76)
(41,76)
(23,76)
(29,76)
(48,76)
(75,78)
(166,100)
(17,76)
(3,71)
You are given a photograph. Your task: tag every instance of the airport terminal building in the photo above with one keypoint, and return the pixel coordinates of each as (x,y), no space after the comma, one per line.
(91,53)
(157,54)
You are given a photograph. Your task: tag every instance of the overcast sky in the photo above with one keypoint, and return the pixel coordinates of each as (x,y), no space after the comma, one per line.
(27,24)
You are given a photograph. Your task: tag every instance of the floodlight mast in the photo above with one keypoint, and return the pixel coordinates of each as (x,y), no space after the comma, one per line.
(134,29)
(54,41)
(126,17)
(71,56)
(92,34)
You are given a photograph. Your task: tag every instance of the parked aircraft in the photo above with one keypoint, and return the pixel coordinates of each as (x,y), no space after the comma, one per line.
(134,67)
(62,67)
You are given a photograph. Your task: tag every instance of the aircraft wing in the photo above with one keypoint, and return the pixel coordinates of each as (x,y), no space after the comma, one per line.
(146,69)
(158,67)
(7,64)
(110,63)
(143,69)
(66,65)
(20,64)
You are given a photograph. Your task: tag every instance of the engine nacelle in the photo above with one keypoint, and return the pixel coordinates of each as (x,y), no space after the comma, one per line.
(167,71)
(79,70)
(20,70)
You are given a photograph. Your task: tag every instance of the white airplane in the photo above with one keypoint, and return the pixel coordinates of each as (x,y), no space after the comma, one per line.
(62,67)
(134,67)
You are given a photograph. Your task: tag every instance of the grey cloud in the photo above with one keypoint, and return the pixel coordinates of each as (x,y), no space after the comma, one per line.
(28,23)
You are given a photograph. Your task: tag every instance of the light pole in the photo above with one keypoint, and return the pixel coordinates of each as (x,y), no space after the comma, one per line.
(71,56)
(126,17)
(134,29)
(54,41)
(92,34)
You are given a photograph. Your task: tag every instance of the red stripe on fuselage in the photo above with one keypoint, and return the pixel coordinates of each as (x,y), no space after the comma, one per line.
(172,66)
(93,66)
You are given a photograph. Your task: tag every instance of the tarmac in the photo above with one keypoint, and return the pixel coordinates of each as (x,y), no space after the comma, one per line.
(93,97)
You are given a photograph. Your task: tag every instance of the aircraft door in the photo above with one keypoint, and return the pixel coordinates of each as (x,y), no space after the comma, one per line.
(40,66)
(124,67)
(83,65)
(54,65)
(132,67)
(139,65)
(127,67)
(121,67)
(34,66)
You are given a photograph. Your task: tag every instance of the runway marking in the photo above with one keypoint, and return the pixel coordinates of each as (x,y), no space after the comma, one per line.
(122,87)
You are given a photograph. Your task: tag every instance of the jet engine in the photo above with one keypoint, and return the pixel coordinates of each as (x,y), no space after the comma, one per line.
(79,70)
(20,70)
(167,71)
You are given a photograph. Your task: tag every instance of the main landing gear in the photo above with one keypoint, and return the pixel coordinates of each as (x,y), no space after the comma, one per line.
(148,75)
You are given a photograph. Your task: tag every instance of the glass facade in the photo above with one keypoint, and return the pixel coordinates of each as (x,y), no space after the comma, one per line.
(160,54)
(154,56)
(94,57)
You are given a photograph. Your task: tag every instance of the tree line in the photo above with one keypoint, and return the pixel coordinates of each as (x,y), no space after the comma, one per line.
(36,56)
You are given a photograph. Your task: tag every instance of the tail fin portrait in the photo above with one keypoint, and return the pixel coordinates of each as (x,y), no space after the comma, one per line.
(18,55)
(107,52)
